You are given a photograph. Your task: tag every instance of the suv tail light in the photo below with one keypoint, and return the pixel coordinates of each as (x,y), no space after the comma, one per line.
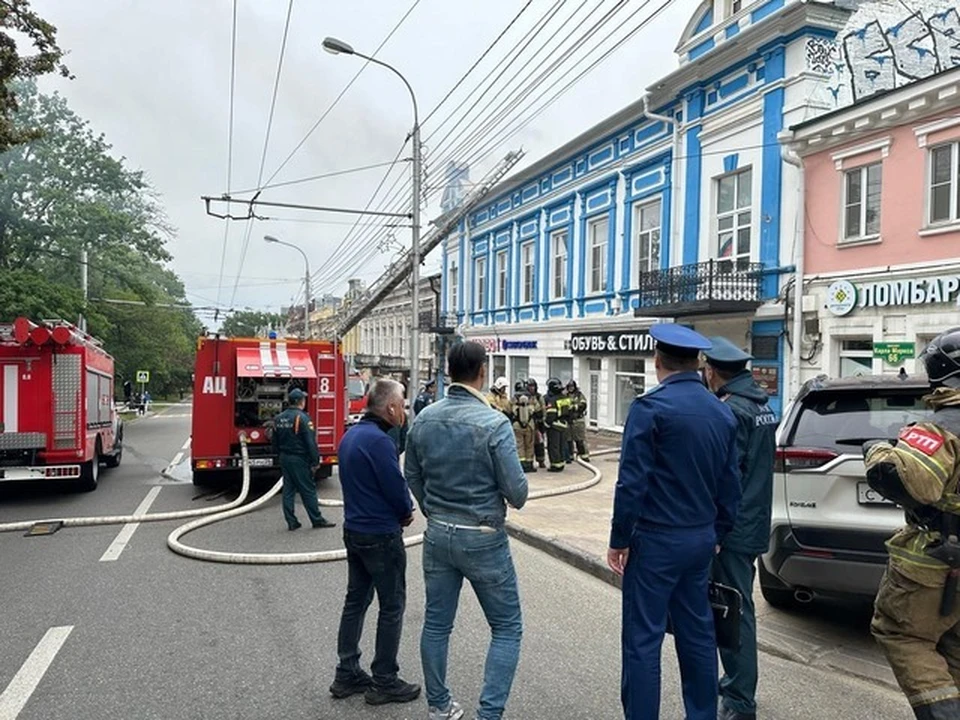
(788,459)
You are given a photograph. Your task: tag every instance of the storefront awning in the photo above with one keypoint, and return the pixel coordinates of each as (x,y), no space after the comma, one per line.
(274,361)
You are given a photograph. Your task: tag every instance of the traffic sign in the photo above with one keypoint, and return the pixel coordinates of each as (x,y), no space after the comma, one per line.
(143,376)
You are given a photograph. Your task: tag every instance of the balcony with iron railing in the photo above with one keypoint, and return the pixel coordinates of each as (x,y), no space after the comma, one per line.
(713,287)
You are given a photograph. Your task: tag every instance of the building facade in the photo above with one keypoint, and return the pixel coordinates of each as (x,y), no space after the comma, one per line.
(882,229)
(679,207)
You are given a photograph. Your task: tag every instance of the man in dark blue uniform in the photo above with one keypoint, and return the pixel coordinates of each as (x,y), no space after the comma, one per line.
(676,498)
(735,565)
(295,441)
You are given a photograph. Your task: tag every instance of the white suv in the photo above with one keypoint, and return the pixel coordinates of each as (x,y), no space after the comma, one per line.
(829,527)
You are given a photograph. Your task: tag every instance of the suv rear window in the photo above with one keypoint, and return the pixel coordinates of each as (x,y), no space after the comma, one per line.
(841,420)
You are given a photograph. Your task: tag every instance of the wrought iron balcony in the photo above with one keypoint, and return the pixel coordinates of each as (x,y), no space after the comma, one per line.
(707,288)
(446,324)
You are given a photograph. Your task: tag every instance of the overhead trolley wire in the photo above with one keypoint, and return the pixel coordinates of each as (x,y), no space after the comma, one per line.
(233,78)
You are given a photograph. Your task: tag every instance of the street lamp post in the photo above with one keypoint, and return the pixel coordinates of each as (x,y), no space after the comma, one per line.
(306,280)
(337,47)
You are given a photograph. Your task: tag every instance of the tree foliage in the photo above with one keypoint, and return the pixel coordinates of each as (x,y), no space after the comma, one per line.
(249,323)
(17,17)
(64,192)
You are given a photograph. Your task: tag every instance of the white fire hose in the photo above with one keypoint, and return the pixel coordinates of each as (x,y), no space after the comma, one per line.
(208,516)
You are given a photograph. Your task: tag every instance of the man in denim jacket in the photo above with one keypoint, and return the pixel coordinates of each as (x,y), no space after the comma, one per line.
(462,467)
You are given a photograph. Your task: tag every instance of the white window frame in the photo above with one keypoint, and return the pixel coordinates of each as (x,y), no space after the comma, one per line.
(953,184)
(863,354)
(558,263)
(503,277)
(527,257)
(479,283)
(597,254)
(639,233)
(453,279)
(864,173)
(736,216)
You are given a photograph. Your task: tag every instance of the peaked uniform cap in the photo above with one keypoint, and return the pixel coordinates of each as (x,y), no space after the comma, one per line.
(725,355)
(296,395)
(678,340)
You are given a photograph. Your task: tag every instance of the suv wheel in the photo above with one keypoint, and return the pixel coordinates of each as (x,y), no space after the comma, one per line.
(774,592)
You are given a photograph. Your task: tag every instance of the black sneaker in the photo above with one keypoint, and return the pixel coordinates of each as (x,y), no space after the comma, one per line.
(294,527)
(324,523)
(344,688)
(399,691)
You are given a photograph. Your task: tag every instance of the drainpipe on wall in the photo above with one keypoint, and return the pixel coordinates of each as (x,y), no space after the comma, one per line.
(790,157)
(674,180)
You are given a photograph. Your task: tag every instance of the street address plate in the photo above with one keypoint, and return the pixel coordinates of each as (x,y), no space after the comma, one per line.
(866,495)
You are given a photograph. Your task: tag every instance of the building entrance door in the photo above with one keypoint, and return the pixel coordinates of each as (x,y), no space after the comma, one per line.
(593,399)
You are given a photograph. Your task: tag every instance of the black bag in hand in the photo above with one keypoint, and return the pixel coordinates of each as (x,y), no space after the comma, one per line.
(727,605)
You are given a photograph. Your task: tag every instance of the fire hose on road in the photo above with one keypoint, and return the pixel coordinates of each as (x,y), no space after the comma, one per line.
(235,508)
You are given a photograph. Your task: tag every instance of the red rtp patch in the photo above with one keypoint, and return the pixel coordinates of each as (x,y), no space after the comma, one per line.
(923,440)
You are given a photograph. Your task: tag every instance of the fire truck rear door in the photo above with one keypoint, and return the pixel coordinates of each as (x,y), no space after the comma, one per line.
(326,407)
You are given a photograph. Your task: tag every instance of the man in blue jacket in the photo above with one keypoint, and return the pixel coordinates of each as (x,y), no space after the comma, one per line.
(463,468)
(727,376)
(675,500)
(376,508)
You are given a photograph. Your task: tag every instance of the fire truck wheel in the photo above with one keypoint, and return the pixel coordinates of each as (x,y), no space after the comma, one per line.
(112,461)
(90,471)
(323,472)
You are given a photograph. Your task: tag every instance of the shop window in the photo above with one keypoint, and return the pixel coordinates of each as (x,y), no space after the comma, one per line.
(560,368)
(499,364)
(502,279)
(526,260)
(480,280)
(519,370)
(648,221)
(856,358)
(734,220)
(944,190)
(598,232)
(629,382)
(452,284)
(558,263)
(861,202)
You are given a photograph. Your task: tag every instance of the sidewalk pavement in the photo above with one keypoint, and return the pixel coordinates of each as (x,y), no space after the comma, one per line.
(575,528)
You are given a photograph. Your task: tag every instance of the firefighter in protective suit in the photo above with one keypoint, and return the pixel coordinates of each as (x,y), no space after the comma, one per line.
(554,418)
(524,431)
(917,616)
(578,424)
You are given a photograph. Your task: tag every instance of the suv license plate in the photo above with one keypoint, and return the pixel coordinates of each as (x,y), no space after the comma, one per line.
(260,462)
(866,495)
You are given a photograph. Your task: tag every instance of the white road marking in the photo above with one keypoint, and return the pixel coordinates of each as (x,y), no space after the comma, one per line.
(186,445)
(126,532)
(20,689)
(167,416)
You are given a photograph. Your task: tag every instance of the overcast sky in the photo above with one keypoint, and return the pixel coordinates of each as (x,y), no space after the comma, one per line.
(154,77)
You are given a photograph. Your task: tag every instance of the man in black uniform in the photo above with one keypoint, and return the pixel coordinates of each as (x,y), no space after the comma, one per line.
(536,402)
(295,442)
(556,425)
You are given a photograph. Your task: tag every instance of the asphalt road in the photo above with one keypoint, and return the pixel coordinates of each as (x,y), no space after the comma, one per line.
(150,634)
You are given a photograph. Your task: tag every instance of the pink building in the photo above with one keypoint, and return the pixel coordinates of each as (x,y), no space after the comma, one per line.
(881,228)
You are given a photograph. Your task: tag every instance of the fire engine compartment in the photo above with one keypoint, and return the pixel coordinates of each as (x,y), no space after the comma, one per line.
(259,399)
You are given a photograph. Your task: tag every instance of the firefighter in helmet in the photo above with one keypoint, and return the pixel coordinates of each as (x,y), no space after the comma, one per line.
(523,426)
(295,442)
(536,402)
(499,398)
(917,618)
(554,419)
(578,423)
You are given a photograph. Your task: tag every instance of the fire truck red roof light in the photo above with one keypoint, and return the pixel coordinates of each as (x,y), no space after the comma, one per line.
(274,360)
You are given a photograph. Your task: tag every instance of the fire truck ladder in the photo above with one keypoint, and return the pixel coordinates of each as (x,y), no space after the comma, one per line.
(400,268)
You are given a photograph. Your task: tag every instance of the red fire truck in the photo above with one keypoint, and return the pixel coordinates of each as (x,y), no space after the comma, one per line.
(240,384)
(59,421)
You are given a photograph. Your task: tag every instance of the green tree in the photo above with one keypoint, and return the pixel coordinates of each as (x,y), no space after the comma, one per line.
(249,323)
(16,16)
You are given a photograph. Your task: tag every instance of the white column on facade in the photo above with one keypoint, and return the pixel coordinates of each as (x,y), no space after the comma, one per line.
(619,238)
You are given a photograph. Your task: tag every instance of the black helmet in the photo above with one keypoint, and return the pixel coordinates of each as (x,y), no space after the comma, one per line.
(519,387)
(531,384)
(572,385)
(554,385)
(941,358)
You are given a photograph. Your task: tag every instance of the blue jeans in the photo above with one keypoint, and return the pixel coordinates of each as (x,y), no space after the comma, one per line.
(668,573)
(449,555)
(374,562)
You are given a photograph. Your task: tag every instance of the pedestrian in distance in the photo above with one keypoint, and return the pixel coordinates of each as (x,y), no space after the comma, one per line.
(146,401)
(916,617)
(463,469)
(675,501)
(578,421)
(295,443)
(727,376)
(376,508)
(524,431)
(536,402)
(556,425)
(425,397)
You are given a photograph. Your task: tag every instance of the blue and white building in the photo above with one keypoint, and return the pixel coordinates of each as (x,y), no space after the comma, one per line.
(679,207)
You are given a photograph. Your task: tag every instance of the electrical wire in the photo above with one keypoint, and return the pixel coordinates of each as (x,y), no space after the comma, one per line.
(322,176)
(233,78)
(266,143)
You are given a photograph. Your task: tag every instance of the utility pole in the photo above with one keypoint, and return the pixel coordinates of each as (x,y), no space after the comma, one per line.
(306,299)
(415,269)
(84,288)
